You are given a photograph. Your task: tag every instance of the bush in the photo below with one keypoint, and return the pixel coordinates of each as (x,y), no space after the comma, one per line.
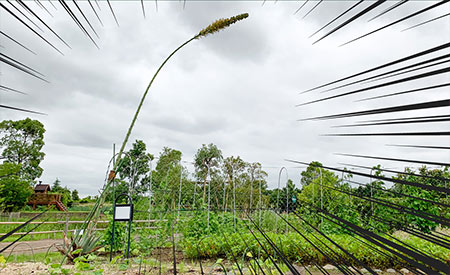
(15,191)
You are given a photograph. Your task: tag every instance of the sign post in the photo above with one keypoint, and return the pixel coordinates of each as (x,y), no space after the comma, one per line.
(122,212)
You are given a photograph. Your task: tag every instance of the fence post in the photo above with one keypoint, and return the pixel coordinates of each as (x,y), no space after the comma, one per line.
(66,226)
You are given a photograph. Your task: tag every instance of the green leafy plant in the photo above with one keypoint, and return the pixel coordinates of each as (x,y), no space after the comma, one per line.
(79,247)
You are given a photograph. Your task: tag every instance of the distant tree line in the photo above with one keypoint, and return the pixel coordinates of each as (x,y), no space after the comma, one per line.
(224,183)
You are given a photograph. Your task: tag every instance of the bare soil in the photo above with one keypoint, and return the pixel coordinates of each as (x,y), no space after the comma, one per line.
(28,247)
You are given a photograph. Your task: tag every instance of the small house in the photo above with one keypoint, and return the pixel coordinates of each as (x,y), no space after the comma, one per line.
(41,196)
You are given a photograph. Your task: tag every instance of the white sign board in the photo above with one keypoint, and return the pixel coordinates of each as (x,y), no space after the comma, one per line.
(123,212)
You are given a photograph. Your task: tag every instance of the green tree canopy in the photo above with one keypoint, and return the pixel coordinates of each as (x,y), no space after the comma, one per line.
(135,165)
(14,190)
(207,160)
(22,142)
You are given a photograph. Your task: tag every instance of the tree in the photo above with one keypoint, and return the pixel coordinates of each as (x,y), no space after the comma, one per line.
(134,167)
(435,177)
(14,190)
(75,196)
(206,160)
(66,195)
(57,186)
(233,168)
(22,142)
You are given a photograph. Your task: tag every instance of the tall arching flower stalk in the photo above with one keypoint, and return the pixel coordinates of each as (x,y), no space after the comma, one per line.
(216,26)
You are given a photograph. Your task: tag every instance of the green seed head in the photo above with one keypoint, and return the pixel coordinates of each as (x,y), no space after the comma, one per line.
(221,24)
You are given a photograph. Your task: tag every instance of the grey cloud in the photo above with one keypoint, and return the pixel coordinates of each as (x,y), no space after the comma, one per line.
(236,89)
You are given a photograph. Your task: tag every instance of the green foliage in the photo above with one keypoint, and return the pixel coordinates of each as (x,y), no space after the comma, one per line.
(120,235)
(435,177)
(292,245)
(197,226)
(22,142)
(206,161)
(134,167)
(66,197)
(14,190)
(80,245)
(75,196)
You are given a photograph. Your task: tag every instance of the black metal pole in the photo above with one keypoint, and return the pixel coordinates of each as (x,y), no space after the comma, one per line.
(113,230)
(173,251)
(129,237)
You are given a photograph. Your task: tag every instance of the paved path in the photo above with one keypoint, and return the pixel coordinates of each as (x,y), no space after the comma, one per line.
(24,247)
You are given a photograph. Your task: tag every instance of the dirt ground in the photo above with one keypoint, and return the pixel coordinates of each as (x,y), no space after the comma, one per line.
(184,266)
(26,247)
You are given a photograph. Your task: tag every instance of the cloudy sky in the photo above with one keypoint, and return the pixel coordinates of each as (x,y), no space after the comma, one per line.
(237,88)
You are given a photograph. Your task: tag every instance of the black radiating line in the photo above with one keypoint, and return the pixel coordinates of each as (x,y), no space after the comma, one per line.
(391,134)
(408,229)
(40,36)
(18,239)
(265,250)
(112,11)
(431,50)
(384,243)
(22,110)
(400,108)
(21,226)
(393,171)
(12,90)
(21,64)
(313,8)
(399,194)
(83,29)
(426,22)
(405,118)
(143,8)
(398,207)
(301,7)
(247,247)
(72,15)
(396,5)
(342,14)
(406,79)
(421,146)
(50,1)
(43,7)
(95,12)
(232,254)
(395,159)
(398,21)
(98,6)
(334,243)
(89,23)
(24,15)
(389,72)
(412,70)
(361,13)
(17,42)
(405,92)
(394,122)
(42,21)
(404,182)
(12,64)
(275,248)
(329,257)
(422,236)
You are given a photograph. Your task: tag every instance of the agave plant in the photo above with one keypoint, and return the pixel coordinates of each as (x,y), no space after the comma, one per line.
(82,244)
